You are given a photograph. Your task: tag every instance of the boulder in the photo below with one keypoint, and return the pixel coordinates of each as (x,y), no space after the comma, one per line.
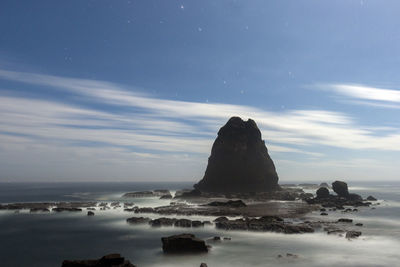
(111,260)
(162,222)
(239,161)
(322,192)
(183,243)
(371,198)
(90,213)
(340,188)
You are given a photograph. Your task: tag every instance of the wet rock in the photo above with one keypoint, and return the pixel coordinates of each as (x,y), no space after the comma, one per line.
(144,210)
(230,203)
(90,213)
(324,214)
(371,198)
(60,209)
(239,161)
(359,224)
(166,196)
(203,264)
(353,234)
(335,232)
(340,188)
(183,223)
(221,219)
(197,224)
(111,260)
(227,238)
(138,220)
(162,222)
(345,220)
(183,243)
(322,192)
(264,224)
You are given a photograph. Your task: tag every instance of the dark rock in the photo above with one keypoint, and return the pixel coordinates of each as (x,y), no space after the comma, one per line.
(345,220)
(322,192)
(239,161)
(353,234)
(197,224)
(183,223)
(183,243)
(144,210)
(266,224)
(59,209)
(322,210)
(162,222)
(138,220)
(354,197)
(216,238)
(335,232)
(359,224)
(90,213)
(371,198)
(203,264)
(111,260)
(340,188)
(324,214)
(166,196)
(227,238)
(221,219)
(230,203)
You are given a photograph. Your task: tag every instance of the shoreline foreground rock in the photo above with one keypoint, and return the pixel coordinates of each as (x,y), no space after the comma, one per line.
(110,260)
(239,161)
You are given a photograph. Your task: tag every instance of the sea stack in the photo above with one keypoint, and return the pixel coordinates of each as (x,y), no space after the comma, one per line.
(239,161)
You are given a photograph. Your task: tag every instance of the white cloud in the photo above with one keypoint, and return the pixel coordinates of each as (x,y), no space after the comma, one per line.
(143,127)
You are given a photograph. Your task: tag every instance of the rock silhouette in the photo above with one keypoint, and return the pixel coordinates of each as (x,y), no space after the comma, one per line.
(239,161)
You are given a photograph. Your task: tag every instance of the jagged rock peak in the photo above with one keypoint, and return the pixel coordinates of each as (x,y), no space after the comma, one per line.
(239,161)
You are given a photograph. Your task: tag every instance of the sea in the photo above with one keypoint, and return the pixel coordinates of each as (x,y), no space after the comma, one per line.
(46,239)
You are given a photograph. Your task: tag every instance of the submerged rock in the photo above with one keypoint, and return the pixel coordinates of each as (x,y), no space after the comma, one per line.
(239,161)
(183,243)
(111,260)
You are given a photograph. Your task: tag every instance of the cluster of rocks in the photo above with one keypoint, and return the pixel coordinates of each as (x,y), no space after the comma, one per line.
(163,221)
(111,260)
(265,224)
(341,199)
(162,193)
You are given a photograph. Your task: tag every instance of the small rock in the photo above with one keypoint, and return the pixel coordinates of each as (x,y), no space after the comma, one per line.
(203,264)
(324,214)
(359,224)
(353,234)
(371,198)
(90,213)
(183,243)
(345,220)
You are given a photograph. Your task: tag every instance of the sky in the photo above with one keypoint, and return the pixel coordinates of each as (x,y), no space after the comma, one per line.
(137,90)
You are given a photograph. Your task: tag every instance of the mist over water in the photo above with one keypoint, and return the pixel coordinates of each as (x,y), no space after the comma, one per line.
(46,239)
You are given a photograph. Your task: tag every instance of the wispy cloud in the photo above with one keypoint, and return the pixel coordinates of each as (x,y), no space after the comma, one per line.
(145,128)
(365,95)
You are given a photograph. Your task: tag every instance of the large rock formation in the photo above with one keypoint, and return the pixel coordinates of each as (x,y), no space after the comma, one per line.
(239,161)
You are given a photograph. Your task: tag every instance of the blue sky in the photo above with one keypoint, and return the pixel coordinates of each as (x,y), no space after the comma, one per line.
(137,90)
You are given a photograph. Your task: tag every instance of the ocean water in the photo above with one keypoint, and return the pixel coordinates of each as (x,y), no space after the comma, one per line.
(46,239)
